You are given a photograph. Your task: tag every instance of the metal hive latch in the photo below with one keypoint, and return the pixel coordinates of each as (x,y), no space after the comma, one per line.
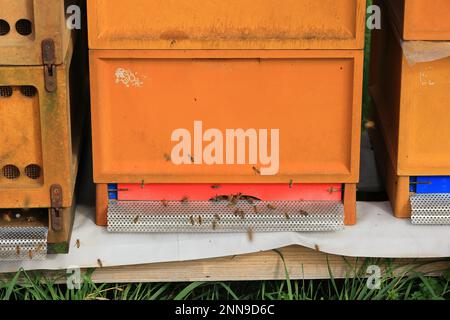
(56,198)
(23,243)
(207,216)
(49,61)
(431,209)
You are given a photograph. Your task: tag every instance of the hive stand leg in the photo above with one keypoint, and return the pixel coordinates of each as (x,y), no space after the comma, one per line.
(350,204)
(101,207)
(400,199)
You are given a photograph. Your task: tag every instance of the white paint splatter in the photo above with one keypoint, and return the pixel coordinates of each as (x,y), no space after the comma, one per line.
(129,78)
(425,81)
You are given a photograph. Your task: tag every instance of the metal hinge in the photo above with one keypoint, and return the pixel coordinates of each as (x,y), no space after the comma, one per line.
(49,61)
(56,197)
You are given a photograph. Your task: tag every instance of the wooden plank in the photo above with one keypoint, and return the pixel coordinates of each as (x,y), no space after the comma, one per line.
(301,263)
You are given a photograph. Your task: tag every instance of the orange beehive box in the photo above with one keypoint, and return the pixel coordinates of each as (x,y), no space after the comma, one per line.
(40,135)
(299,110)
(422,19)
(411,112)
(25,24)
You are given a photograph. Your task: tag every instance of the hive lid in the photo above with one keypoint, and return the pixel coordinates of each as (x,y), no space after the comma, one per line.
(233,24)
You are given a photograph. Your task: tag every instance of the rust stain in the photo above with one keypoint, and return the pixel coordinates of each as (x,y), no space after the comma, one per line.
(174,35)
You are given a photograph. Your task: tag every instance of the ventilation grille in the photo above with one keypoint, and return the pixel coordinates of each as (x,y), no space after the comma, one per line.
(24,27)
(431,209)
(11,172)
(23,243)
(207,216)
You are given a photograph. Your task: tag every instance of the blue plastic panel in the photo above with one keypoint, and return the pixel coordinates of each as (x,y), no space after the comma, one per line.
(433,184)
(112,191)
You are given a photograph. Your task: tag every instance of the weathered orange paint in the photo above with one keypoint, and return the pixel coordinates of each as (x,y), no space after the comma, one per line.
(422,19)
(231,24)
(313,97)
(48,20)
(43,137)
(411,111)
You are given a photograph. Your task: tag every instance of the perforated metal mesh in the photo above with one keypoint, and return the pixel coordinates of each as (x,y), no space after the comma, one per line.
(6,91)
(4,27)
(23,243)
(433,209)
(33,171)
(11,172)
(207,216)
(28,91)
(24,27)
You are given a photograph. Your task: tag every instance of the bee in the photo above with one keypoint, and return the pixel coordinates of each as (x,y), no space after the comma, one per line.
(287,216)
(303,213)
(18,250)
(200,220)
(271,206)
(136,219)
(231,200)
(78,243)
(256,170)
(214,224)
(192,158)
(185,200)
(369,125)
(100,263)
(30,219)
(240,213)
(167,157)
(250,234)
(249,200)
(255,208)
(291,183)
(164,203)
(191,220)
(7,217)
(39,247)
(316,247)
(216,186)
(332,190)
(217,217)
(142,184)
(30,254)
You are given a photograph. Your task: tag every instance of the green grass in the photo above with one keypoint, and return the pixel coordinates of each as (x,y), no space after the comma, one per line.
(396,284)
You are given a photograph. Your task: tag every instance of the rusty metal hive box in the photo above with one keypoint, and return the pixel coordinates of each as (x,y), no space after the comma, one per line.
(40,136)
(36,140)
(422,19)
(232,24)
(24,24)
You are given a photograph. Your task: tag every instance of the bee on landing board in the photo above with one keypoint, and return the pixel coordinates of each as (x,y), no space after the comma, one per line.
(250,234)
